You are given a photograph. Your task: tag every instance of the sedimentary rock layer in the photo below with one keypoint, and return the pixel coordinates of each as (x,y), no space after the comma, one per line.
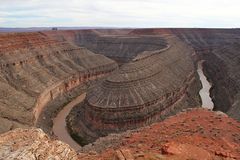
(220,50)
(115,44)
(34,69)
(140,92)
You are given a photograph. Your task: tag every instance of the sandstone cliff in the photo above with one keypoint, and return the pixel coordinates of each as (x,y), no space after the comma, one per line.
(35,69)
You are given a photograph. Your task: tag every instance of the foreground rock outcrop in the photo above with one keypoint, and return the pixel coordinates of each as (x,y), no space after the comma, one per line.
(33,144)
(192,134)
(148,89)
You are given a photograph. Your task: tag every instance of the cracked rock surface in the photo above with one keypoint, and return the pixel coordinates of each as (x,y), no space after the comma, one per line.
(31,144)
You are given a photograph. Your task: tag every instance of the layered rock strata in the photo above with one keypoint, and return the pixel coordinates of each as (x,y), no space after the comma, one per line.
(220,51)
(141,92)
(115,44)
(35,69)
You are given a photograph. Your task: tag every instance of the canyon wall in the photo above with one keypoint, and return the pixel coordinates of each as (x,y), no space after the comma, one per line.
(219,49)
(115,44)
(35,69)
(141,92)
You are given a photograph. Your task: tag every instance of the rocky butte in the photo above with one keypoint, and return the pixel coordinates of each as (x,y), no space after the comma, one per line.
(142,94)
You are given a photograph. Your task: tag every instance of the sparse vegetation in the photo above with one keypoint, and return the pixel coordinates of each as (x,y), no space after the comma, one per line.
(80,140)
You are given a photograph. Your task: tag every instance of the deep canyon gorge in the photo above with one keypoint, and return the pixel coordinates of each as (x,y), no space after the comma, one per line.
(102,90)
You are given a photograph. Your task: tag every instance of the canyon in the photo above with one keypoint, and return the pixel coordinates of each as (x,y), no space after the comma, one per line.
(141,92)
(219,50)
(112,90)
(36,69)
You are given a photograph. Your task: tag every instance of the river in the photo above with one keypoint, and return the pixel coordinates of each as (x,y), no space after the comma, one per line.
(205,91)
(59,123)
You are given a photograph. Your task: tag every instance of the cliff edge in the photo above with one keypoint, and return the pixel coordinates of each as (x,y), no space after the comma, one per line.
(192,134)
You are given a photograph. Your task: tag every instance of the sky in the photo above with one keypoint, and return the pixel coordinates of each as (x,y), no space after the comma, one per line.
(120,13)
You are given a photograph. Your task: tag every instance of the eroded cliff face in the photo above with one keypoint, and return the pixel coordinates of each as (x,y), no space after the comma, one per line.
(115,44)
(148,89)
(35,69)
(220,50)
